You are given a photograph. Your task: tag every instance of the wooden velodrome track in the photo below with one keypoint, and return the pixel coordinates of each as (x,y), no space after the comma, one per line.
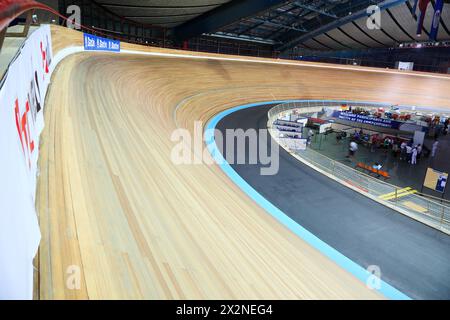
(112,203)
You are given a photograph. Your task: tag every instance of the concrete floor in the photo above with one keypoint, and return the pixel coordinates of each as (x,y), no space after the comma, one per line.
(402,173)
(412,257)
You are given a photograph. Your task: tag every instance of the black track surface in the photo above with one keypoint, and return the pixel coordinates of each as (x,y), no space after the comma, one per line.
(413,258)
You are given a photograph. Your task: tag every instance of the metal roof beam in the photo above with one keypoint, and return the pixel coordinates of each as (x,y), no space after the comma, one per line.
(282,13)
(286,12)
(335,24)
(222,16)
(233,36)
(313,9)
(279,25)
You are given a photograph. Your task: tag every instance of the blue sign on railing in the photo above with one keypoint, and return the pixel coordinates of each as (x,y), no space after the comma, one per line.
(94,43)
(380,122)
(387,123)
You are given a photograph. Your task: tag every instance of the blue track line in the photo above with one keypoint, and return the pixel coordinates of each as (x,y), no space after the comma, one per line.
(362,274)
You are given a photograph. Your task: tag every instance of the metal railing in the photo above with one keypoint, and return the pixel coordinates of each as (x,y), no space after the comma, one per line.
(373,62)
(427,209)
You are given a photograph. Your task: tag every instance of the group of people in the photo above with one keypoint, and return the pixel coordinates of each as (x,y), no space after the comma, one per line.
(386,144)
(360,136)
(407,150)
(410,152)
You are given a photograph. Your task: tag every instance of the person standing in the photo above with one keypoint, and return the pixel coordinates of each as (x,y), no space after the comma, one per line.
(395,148)
(356,135)
(310,135)
(386,144)
(419,151)
(414,156)
(403,151)
(352,149)
(408,153)
(373,142)
(434,148)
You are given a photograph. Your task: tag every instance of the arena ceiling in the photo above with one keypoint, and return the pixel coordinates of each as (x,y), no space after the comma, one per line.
(164,13)
(285,24)
(398,25)
(335,25)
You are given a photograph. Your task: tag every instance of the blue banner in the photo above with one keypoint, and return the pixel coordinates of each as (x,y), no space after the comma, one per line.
(379,122)
(359,118)
(94,43)
(436,19)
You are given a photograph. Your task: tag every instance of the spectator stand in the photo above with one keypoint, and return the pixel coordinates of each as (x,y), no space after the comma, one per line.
(291,133)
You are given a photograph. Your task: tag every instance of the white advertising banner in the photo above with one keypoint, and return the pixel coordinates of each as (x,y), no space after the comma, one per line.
(22,98)
(401,65)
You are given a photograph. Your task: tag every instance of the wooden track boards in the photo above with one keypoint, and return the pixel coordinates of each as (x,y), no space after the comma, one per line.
(112,203)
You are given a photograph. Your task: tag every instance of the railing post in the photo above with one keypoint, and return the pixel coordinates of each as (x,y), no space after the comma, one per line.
(26,27)
(2,37)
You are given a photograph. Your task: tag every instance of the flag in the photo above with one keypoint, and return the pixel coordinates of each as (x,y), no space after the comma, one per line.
(436,18)
(423,5)
(414,9)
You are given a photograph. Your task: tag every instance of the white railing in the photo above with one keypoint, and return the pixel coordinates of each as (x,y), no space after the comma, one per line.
(429,210)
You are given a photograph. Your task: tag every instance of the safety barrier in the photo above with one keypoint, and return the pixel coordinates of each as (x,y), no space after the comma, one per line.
(23,90)
(22,97)
(426,209)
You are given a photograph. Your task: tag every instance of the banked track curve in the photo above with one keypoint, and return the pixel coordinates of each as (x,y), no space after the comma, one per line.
(112,203)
